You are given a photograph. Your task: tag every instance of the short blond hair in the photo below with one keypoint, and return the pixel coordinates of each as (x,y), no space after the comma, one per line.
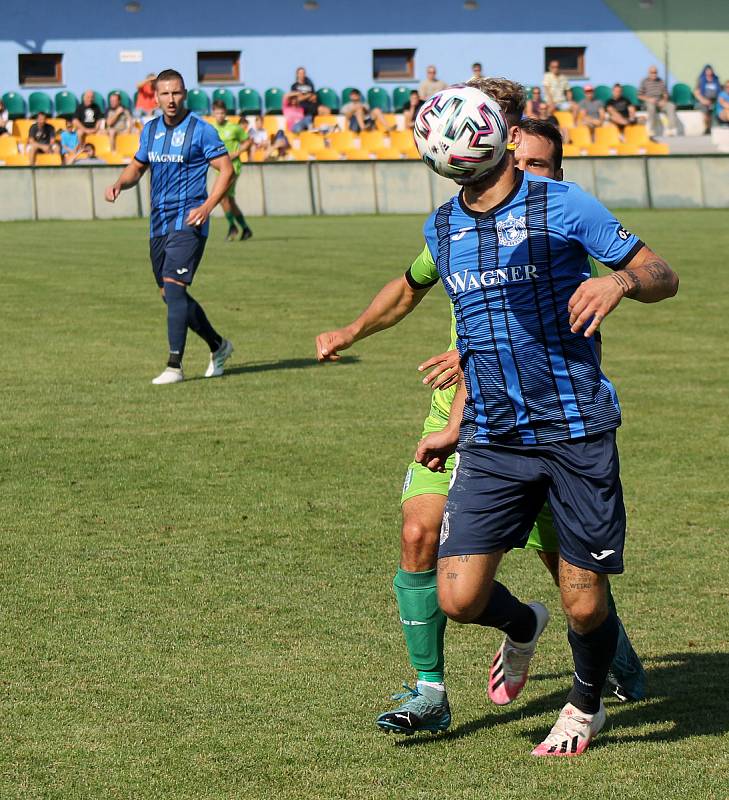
(508,94)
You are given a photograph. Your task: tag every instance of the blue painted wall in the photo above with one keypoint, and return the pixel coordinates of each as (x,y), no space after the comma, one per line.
(335,43)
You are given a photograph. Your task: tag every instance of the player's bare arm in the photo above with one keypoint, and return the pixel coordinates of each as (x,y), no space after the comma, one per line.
(224,166)
(392,303)
(446,370)
(435,448)
(130,177)
(647,278)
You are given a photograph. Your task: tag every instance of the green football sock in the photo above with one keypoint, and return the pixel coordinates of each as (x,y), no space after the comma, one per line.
(423,623)
(231,219)
(241,220)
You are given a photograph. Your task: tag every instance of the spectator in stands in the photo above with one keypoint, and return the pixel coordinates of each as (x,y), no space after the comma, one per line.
(653,93)
(430,84)
(293,112)
(280,146)
(146,103)
(722,104)
(359,116)
(303,89)
(87,157)
(5,123)
(410,112)
(41,137)
(590,111)
(534,104)
(555,87)
(619,109)
(88,117)
(259,136)
(70,143)
(706,93)
(118,119)
(547,115)
(476,70)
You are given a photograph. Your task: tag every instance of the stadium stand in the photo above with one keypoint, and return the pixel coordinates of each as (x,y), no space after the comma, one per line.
(125,99)
(400,98)
(274,101)
(227,97)
(14,104)
(249,101)
(198,101)
(377,97)
(66,103)
(328,98)
(39,101)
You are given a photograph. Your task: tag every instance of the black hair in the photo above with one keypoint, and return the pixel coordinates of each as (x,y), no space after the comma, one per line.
(545,130)
(170,75)
(220,104)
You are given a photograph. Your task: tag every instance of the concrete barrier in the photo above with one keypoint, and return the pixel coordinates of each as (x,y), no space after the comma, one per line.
(363,187)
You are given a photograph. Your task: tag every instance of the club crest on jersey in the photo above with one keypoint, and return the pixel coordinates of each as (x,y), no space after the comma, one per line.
(178,138)
(511,231)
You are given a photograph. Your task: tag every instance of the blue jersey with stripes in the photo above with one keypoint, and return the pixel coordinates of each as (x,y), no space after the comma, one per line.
(178,160)
(510,273)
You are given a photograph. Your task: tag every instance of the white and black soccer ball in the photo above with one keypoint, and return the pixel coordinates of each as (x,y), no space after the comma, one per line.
(461,133)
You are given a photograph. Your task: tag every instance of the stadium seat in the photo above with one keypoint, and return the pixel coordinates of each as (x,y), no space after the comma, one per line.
(372,140)
(198,101)
(628,149)
(58,123)
(66,103)
(631,93)
(357,154)
(682,96)
(273,124)
(377,97)
(298,155)
(328,154)
(99,100)
(21,128)
(312,142)
(601,150)
(400,98)
(636,135)
(578,94)
(14,104)
(39,101)
(607,136)
(258,156)
(657,149)
(249,101)
(18,160)
(343,140)
(387,154)
(274,101)
(390,120)
(402,140)
(565,119)
(127,144)
(326,121)
(580,136)
(570,150)
(328,98)
(346,94)
(8,146)
(603,93)
(48,160)
(100,141)
(412,153)
(114,158)
(126,101)
(227,97)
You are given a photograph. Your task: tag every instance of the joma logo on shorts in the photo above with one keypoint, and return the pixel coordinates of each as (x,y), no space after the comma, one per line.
(165,158)
(462,281)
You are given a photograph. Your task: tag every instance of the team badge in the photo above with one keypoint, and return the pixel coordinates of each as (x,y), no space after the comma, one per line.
(511,231)
(444,528)
(178,138)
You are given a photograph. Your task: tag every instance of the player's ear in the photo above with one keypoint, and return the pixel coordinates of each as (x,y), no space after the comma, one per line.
(514,137)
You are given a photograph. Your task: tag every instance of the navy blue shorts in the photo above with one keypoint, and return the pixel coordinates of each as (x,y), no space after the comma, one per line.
(497,491)
(176,255)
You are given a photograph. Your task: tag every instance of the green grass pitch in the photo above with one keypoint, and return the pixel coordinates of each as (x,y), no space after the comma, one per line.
(196,580)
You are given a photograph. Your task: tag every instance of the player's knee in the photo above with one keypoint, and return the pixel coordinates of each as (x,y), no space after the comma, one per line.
(418,535)
(457,606)
(585,613)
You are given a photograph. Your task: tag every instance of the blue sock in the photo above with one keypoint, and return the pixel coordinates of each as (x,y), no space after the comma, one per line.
(505,612)
(592,653)
(176,299)
(198,322)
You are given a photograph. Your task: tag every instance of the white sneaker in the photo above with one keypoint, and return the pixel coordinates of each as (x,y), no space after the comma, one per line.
(218,359)
(170,375)
(572,733)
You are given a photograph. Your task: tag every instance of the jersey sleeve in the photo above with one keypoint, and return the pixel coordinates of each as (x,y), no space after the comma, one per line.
(141,154)
(422,273)
(212,144)
(591,225)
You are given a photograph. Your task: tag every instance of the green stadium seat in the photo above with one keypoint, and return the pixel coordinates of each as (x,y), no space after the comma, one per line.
(328,98)
(400,98)
(274,101)
(377,97)
(347,92)
(14,104)
(249,101)
(198,101)
(126,101)
(99,100)
(39,101)
(631,93)
(227,97)
(603,93)
(682,95)
(578,94)
(66,103)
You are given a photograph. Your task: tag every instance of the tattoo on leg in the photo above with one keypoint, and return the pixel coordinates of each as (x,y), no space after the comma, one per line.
(463,559)
(451,576)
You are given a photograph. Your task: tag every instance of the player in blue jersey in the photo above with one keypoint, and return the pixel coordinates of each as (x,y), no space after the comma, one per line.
(540,416)
(178,148)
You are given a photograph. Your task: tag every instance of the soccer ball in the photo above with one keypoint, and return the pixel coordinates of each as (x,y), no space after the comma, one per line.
(461,133)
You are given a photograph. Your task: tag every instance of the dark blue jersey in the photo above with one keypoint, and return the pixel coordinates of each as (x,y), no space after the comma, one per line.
(509,274)
(178,160)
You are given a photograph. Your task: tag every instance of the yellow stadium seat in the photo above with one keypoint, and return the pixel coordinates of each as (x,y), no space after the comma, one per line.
(343,140)
(325,121)
(274,123)
(127,144)
(657,149)
(209,119)
(258,156)
(298,155)
(412,153)
(607,136)
(48,160)
(21,128)
(570,150)
(600,150)
(312,142)
(402,140)
(100,141)
(357,154)
(390,121)
(17,160)
(628,149)
(637,135)
(112,157)
(372,140)
(328,154)
(8,146)
(387,153)
(58,123)
(580,136)
(565,119)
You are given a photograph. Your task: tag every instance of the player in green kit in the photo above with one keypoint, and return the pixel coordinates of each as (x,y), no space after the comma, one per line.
(236,142)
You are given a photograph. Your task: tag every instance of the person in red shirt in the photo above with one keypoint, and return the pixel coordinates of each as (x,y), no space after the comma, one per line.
(146,103)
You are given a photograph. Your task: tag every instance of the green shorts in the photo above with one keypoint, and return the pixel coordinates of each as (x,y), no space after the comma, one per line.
(420,480)
(231,188)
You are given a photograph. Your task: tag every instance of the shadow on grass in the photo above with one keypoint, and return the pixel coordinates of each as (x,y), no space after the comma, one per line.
(688,695)
(273,366)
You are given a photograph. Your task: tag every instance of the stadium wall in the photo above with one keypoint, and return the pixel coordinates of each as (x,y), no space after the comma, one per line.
(375,187)
(336,41)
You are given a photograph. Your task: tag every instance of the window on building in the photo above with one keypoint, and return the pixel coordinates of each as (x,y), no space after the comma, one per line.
(571,60)
(40,69)
(393,65)
(221,66)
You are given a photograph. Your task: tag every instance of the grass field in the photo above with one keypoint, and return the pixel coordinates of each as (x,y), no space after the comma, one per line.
(195,597)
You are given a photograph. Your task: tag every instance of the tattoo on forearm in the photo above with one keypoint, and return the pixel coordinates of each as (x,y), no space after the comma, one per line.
(659,271)
(620,280)
(634,290)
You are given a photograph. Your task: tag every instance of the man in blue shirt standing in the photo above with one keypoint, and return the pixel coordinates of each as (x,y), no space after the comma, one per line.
(178,148)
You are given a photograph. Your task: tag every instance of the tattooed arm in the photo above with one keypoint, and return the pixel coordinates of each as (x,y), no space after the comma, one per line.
(646,278)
